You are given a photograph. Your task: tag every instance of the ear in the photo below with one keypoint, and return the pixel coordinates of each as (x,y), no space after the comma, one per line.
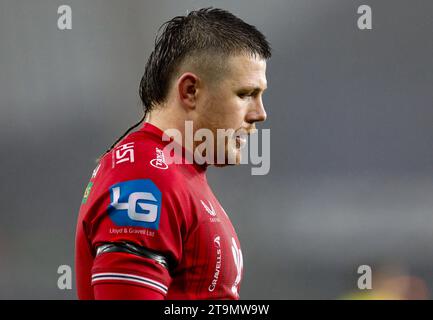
(187,87)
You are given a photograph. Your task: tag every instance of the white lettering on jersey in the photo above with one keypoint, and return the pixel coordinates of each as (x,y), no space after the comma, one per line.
(159,161)
(217,244)
(210,209)
(124,153)
(132,204)
(95,171)
(237,256)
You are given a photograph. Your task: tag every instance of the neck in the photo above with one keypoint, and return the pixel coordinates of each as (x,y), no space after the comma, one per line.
(168,118)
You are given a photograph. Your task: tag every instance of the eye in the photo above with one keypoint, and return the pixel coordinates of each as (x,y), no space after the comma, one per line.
(244,95)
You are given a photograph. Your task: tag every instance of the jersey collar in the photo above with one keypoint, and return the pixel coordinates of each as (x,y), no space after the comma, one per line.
(155,131)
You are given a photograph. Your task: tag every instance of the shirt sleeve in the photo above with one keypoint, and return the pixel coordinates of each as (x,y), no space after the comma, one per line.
(118,275)
(147,215)
(121,291)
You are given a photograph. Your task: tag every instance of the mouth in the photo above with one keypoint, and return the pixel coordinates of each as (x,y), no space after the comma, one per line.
(241,138)
(241,141)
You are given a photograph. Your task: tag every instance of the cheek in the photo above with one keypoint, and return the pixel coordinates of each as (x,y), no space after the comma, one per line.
(232,114)
(224,112)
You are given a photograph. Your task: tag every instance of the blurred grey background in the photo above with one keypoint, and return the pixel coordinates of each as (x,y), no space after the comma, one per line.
(351,121)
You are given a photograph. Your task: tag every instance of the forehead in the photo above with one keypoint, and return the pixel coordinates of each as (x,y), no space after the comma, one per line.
(245,70)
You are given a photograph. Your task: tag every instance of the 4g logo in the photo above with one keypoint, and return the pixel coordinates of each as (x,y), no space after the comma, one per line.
(135,203)
(131,205)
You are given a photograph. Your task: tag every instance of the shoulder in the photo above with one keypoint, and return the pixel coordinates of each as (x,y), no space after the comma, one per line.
(139,157)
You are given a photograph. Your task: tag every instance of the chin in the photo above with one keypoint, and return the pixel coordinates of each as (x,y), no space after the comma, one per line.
(234,158)
(231,155)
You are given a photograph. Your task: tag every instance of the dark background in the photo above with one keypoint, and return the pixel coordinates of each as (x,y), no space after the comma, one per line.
(351,121)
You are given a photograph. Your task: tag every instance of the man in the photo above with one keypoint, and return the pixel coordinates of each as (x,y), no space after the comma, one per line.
(149,229)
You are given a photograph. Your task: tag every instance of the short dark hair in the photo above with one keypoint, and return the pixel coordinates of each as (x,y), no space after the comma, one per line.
(208,31)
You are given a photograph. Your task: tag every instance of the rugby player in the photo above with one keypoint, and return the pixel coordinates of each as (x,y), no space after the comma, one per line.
(150,229)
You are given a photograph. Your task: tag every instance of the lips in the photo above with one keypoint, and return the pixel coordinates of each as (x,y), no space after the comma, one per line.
(241,137)
(241,140)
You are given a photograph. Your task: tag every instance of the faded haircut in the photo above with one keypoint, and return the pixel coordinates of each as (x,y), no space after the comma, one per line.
(207,35)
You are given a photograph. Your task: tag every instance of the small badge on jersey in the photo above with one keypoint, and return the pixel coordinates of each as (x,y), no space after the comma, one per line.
(135,203)
(123,154)
(95,171)
(87,192)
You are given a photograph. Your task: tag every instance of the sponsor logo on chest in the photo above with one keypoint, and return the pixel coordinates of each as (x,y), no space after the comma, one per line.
(211,212)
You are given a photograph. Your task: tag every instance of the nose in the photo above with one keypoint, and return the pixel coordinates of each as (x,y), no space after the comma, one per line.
(257,113)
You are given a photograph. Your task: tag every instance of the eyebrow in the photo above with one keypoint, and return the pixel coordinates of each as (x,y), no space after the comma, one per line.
(253,89)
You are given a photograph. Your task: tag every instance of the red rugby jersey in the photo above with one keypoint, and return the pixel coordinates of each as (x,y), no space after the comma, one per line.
(135,196)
